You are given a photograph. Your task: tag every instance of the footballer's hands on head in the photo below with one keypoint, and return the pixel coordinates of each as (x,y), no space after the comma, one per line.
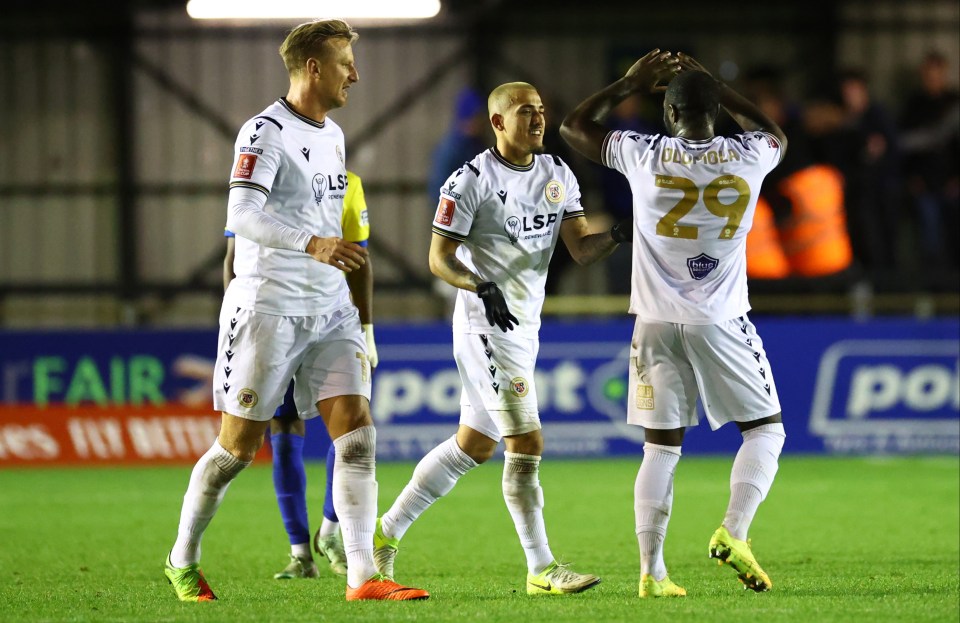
(653,68)
(337,252)
(496,306)
(688,63)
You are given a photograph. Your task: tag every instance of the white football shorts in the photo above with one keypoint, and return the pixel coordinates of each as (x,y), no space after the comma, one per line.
(499,398)
(258,354)
(724,364)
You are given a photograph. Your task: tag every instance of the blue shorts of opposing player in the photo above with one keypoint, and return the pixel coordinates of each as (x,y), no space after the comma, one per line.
(290,478)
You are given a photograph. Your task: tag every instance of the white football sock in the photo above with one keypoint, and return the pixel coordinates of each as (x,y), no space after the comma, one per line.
(355,498)
(652,501)
(524,498)
(208,483)
(434,477)
(328,527)
(752,476)
(301,550)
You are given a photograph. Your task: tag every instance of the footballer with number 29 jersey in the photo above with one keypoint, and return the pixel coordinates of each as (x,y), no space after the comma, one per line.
(508,218)
(293,168)
(693,206)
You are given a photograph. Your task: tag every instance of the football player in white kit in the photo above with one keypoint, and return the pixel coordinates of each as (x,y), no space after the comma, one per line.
(288,314)
(499,219)
(694,195)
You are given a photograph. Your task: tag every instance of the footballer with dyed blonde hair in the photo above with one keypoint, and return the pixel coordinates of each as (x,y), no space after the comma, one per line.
(287,313)
(498,222)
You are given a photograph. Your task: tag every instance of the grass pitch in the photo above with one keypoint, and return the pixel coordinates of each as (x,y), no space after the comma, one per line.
(842,539)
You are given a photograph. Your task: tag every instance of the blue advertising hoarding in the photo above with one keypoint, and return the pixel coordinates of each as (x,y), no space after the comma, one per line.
(878,386)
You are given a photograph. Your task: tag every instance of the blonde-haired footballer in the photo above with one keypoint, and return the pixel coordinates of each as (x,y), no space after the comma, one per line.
(499,219)
(288,314)
(287,430)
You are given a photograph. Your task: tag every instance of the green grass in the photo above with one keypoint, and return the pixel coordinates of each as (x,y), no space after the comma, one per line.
(842,539)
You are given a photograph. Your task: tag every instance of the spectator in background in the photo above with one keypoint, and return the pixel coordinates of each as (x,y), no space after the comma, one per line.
(859,137)
(462,142)
(802,196)
(930,125)
(617,197)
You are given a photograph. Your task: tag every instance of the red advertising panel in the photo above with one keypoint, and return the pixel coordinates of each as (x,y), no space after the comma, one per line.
(34,436)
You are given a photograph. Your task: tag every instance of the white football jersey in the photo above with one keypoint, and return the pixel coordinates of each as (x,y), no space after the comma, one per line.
(298,163)
(693,204)
(508,219)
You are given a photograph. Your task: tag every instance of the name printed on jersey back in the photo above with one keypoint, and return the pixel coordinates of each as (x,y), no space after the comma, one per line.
(694,201)
(714,156)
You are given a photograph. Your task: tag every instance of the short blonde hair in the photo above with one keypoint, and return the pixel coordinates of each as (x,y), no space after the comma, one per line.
(306,41)
(502,97)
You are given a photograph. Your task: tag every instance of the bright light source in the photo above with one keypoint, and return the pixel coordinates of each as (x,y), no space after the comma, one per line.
(296,9)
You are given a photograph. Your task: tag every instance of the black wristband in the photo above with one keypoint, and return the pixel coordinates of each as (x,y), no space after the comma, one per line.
(484,288)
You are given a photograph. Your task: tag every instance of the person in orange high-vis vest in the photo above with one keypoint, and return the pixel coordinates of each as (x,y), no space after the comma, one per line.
(813,241)
(766,258)
(799,227)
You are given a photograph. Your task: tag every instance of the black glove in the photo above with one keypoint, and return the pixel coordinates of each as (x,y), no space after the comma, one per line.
(622,231)
(496,306)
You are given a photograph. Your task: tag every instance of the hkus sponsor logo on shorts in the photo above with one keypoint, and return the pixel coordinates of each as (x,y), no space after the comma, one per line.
(247,398)
(888,396)
(644,392)
(701,266)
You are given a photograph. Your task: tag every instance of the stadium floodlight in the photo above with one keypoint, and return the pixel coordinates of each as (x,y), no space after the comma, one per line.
(287,9)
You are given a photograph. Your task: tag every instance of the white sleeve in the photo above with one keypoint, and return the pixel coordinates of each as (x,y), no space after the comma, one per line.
(572,207)
(247,218)
(623,149)
(458,204)
(765,145)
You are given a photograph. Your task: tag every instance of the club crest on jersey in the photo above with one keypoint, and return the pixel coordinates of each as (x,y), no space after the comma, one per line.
(319,187)
(339,154)
(553,191)
(701,266)
(247,398)
(512,227)
(519,387)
